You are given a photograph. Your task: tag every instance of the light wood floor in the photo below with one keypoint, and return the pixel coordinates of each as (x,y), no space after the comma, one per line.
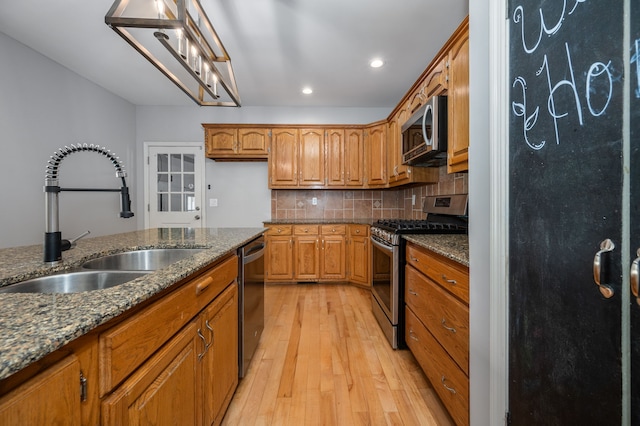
(323,360)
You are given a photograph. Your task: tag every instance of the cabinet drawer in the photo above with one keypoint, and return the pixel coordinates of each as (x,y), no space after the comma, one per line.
(126,346)
(450,275)
(279,230)
(305,230)
(359,230)
(451,384)
(445,316)
(333,229)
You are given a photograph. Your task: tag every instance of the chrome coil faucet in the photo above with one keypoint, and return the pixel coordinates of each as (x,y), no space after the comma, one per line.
(54,245)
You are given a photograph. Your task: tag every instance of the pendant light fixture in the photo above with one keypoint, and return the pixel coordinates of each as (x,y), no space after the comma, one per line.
(177,37)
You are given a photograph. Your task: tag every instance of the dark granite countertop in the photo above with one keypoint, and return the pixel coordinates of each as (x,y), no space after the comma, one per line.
(34,325)
(454,247)
(357,221)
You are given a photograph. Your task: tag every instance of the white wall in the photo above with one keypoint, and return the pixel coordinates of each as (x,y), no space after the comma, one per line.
(241,188)
(43,107)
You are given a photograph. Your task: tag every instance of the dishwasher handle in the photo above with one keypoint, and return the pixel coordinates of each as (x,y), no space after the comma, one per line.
(253,253)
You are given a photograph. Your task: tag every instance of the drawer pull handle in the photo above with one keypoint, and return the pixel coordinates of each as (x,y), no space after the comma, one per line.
(203,285)
(452,390)
(413,336)
(204,341)
(444,324)
(413,293)
(413,259)
(208,345)
(452,282)
(357,231)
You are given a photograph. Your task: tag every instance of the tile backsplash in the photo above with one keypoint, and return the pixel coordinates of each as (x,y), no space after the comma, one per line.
(363,203)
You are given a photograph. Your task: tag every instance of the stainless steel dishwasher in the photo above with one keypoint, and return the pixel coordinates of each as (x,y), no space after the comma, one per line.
(251,279)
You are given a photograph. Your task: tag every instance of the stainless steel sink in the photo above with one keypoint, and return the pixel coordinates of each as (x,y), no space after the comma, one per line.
(141,260)
(73,282)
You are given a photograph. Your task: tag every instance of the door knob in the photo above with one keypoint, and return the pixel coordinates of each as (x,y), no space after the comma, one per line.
(197,217)
(606,246)
(635,276)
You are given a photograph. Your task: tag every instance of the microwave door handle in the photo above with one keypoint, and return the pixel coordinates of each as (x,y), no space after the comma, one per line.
(427,140)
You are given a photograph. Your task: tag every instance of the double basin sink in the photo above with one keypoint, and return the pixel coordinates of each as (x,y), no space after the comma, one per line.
(104,272)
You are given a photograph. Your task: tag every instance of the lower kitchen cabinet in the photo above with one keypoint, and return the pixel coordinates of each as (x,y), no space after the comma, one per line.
(437,325)
(52,397)
(172,360)
(164,391)
(219,363)
(359,260)
(314,252)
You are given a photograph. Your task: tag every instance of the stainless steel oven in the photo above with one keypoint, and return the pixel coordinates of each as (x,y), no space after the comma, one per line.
(446,214)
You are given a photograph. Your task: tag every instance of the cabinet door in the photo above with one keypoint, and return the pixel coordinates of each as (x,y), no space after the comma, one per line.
(279,258)
(283,171)
(335,157)
(333,257)
(306,257)
(377,155)
(311,154)
(164,391)
(52,397)
(354,157)
(397,170)
(219,325)
(438,79)
(458,98)
(359,254)
(253,142)
(222,141)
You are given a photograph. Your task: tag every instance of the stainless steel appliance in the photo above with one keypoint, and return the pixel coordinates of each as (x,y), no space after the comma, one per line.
(424,135)
(251,300)
(446,214)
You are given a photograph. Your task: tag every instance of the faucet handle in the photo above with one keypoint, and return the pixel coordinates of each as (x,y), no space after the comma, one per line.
(69,244)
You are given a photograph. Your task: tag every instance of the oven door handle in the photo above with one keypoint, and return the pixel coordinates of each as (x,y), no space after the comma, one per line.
(382,246)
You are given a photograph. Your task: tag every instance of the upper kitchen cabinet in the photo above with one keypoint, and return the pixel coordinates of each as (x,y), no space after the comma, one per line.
(236,142)
(458,101)
(345,157)
(376,149)
(297,158)
(311,156)
(283,158)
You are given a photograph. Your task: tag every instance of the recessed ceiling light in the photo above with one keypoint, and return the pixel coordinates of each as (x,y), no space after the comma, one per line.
(376,63)
(307,90)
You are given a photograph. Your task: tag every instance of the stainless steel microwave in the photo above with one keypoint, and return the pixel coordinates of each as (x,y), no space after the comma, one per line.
(424,135)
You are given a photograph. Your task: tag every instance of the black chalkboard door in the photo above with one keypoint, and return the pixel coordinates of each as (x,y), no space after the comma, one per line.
(572,343)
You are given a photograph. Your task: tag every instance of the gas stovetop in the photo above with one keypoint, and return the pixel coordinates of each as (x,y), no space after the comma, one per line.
(446,214)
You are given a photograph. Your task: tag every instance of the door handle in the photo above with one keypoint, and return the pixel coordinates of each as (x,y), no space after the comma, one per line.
(606,246)
(635,276)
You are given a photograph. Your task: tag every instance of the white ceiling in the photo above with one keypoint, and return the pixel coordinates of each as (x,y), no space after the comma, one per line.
(276,47)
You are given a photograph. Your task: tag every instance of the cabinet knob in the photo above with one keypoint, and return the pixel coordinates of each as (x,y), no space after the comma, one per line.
(357,231)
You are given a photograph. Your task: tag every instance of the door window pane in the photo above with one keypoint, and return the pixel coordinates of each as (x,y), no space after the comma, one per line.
(176,162)
(176,182)
(176,202)
(163,202)
(189,203)
(189,163)
(163,162)
(189,182)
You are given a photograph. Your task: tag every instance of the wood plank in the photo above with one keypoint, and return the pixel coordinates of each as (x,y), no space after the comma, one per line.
(323,360)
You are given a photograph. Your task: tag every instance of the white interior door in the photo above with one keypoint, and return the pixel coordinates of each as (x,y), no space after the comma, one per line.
(175,185)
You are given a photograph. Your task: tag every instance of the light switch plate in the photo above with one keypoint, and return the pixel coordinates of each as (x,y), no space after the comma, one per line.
(213,202)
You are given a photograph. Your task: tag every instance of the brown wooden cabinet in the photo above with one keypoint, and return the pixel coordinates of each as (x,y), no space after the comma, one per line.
(376,148)
(336,150)
(305,253)
(220,362)
(354,157)
(279,253)
(314,252)
(458,102)
(333,252)
(437,325)
(237,142)
(359,259)
(283,158)
(52,397)
(311,158)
